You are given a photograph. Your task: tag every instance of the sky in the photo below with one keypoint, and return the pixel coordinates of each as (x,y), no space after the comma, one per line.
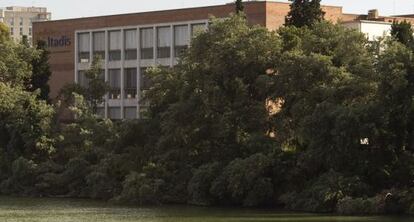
(63,9)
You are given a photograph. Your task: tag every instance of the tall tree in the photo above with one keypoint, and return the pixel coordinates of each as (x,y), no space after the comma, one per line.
(239,6)
(403,32)
(304,13)
(41,71)
(4,32)
(97,87)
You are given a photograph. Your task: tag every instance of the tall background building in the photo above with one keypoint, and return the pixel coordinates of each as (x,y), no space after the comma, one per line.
(20,20)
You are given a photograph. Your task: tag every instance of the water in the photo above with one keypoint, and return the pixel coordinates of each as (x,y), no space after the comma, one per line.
(64,210)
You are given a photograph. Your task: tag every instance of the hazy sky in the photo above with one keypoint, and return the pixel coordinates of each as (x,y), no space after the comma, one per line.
(62,9)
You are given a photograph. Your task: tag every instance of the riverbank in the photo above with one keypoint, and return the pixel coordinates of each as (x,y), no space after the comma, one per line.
(14,209)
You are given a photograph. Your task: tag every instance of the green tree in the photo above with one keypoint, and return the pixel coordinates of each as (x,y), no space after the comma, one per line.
(25,122)
(325,101)
(4,32)
(304,13)
(212,105)
(97,87)
(41,71)
(94,90)
(403,32)
(239,6)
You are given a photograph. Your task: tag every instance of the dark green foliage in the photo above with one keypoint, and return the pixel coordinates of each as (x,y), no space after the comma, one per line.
(245,181)
(22,178)
(41,71)
(403,33)
(139,189)
(323,194)
(361,206)
(304,13)
(200,184)
(239,6)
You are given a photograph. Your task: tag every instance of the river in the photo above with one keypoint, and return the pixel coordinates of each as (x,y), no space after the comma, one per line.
(69,210)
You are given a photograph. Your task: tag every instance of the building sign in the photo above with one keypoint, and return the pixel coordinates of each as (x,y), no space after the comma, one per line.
(63,41)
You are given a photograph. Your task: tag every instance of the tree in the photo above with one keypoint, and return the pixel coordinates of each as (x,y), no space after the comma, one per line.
(15,67)
(41,71)
(304,13)
(94,89)
(25,41)
(25,122)
(97,87)
(212,105)
(403,32)
(4,32)
(239,6)
(324,101)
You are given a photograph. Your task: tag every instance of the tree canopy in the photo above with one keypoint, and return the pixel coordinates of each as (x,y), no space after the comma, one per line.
(304,13)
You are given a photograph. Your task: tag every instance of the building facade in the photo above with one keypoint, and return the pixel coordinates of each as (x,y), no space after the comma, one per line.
(20,20)
(128,44)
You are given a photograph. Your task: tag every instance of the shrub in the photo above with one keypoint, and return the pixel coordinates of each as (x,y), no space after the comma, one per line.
(22,179)
(360,206)
(322,194)
(200,184)
(138,189)
(242,179)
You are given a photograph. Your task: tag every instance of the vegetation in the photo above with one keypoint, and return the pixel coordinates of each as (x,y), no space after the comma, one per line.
(41,72)
(402,32)
(311,118)
(239,6)
(304,13)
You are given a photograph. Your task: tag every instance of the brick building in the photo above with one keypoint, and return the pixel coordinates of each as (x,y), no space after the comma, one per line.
(129,43)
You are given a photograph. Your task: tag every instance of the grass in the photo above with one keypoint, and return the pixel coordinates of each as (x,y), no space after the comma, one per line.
(69,210)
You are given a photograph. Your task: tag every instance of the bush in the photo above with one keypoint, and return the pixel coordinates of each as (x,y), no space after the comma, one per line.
(138,189)
(323,194)
(361,206)
(200,184)
(22,179)
(242,179)
(74,176)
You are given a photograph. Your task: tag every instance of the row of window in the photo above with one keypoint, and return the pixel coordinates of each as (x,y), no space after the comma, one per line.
(11,21)
(21,31)
(114,81)
(115,112)
(163,42)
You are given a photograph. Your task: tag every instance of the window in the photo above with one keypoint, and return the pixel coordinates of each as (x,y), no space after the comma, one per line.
(114,112)
(30,31)
(115,46)
(21,31)
(84,47)
(145,82)
(114,83)
(21,21)
(99,44)
(197,28)
(147,43)
(11,21)
(130,44)
(100,112)
(180,39)
(130,112)
(82,79)
(11,31)
(163,42)
(130,84)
